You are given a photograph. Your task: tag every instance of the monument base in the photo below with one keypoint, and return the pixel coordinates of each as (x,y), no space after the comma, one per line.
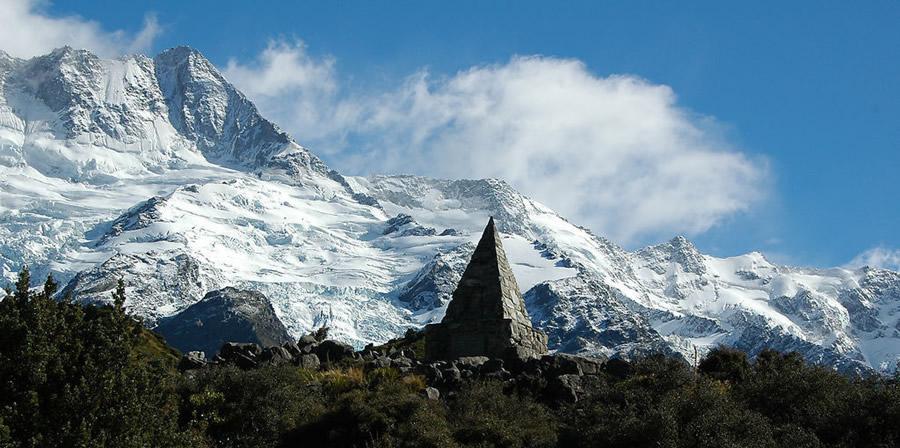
(499,338)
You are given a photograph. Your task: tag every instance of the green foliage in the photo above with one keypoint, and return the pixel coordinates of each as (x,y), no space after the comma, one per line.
(69,377)
(249,408)
(387,413)
(4,434)
(725,364)
(119,295)
(486,416)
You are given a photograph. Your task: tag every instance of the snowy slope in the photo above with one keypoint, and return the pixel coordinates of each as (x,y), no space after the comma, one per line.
(160,172)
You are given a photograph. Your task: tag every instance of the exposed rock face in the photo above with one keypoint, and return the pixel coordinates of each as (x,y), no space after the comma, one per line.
(487,316)
(224,315)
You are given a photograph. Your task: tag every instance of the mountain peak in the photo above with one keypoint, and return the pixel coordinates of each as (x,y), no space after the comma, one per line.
(180,54)
(678,250)
(682,243)
(67,53)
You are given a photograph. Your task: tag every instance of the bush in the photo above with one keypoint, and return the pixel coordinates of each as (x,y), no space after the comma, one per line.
(74,376)
(726,364)
(389,415)
(249,408)
(485,416)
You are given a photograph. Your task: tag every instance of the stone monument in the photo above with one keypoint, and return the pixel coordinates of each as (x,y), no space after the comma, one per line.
(487,315)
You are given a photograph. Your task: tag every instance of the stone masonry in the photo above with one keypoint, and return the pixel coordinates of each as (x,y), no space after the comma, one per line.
(487,315)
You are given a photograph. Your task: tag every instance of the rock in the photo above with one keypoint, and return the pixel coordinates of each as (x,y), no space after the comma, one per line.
(246,348)
(590,365)
(487,316)
(432,373)
(308,361)
(570,387)
(192,360)
(333,351)
(380,362)
(244,361)
(243,355)
(471,362)
(402,362)
(562,364)
(292,348)
(452,375)
(307,339)
(565,388)
(432,394)
(275,355)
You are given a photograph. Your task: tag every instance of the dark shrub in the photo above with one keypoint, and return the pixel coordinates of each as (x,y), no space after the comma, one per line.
(726,364)
(484,416)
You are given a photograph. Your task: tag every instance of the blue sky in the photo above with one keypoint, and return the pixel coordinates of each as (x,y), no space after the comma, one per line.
(806,93)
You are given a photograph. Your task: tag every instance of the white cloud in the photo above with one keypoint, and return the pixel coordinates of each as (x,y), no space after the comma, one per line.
(615,153)
(26,30)
(297,91)
(877,257)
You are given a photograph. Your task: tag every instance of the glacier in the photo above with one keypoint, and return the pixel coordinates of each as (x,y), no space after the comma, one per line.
(159,171)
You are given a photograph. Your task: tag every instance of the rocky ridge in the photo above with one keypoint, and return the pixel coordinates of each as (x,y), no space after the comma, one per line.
(560,377)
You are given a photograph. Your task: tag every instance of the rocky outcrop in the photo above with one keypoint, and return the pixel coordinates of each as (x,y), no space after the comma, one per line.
(225,315)
(311,352)
(487,316)
(555,378)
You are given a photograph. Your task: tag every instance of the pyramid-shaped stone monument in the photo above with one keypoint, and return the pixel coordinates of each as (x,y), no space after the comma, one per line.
(487,315)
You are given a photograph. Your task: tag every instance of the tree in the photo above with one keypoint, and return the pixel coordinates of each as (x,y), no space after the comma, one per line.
(50,287)
(72,376)
(23,285)
(726,364)
(119,295)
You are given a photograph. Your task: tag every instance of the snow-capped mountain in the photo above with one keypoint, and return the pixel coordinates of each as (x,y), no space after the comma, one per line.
(161,172)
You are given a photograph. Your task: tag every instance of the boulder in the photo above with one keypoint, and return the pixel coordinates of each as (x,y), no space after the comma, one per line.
(380,362)
(292,348)
(192,360)
(491,366)
(565,388)
(307,339)
(402,362)
(569,388)
(470,362)
(565,364)
(308,361)
(245,348)
(333,351)
(275,355)
(243,355)
(432,393)
(452,375)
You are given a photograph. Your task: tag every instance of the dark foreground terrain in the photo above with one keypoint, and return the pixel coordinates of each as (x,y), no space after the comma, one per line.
(92,376)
